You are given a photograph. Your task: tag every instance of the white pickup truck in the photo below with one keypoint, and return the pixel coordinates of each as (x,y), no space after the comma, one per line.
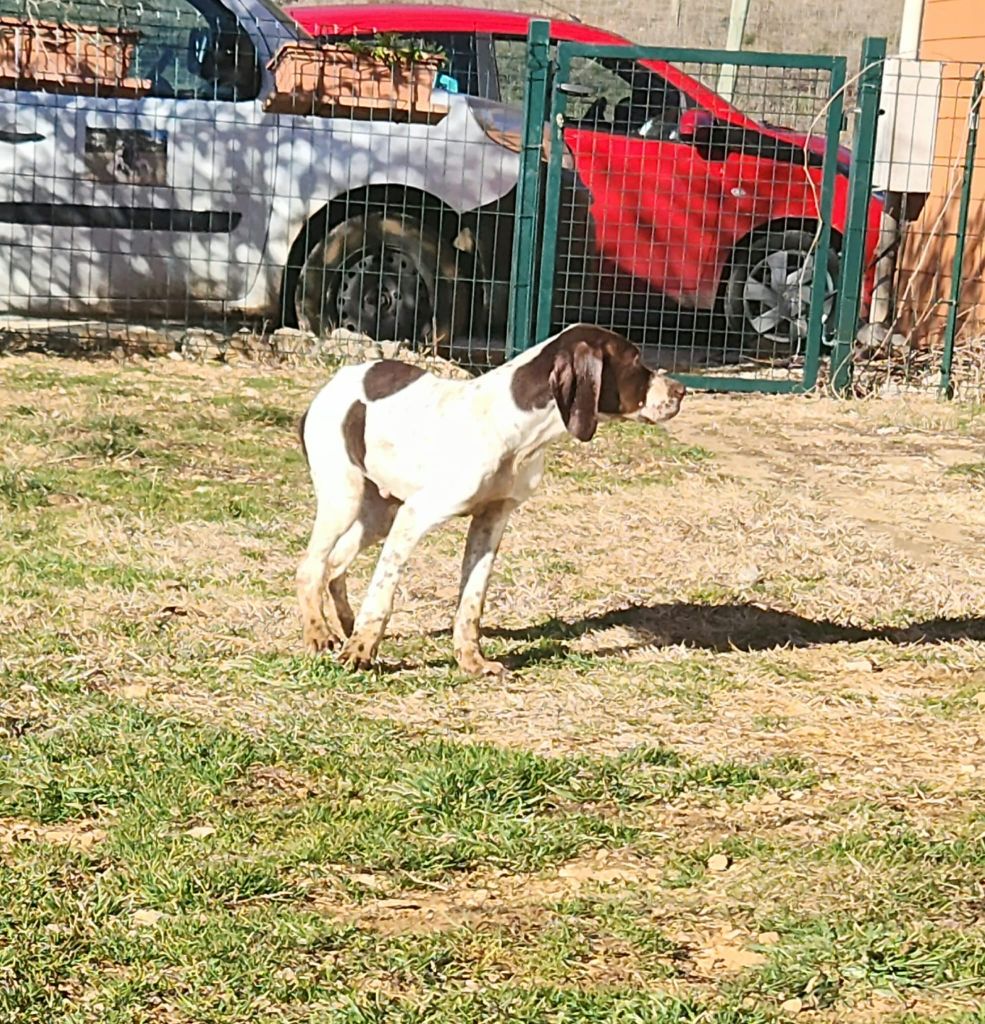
(192,200)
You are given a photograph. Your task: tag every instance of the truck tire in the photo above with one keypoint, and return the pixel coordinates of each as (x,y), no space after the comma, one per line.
(387,276)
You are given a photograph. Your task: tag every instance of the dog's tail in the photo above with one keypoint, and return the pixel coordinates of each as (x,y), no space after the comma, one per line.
(304,447)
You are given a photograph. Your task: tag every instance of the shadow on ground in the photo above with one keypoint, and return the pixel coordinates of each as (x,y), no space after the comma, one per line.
(723,627)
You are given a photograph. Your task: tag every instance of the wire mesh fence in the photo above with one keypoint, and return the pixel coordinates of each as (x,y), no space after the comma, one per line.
(715,231)
(190,163)
(929,317)
(221,178)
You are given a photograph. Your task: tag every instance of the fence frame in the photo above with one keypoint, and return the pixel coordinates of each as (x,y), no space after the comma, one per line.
(539,329)
(528,212)
(946,385)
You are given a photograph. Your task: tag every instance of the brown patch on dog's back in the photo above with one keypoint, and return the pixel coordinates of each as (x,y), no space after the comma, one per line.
(354,434)
(389,376)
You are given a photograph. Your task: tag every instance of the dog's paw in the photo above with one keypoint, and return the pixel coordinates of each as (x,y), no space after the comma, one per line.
(356,655)
(318,640)
(474,664)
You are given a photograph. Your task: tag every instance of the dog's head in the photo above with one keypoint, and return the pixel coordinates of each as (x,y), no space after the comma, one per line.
(598,375)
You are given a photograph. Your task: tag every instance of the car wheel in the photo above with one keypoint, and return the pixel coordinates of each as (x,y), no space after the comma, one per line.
(769,288)
(386,276)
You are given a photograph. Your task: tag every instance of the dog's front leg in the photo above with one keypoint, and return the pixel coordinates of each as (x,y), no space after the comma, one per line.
(410,525)
(485,533)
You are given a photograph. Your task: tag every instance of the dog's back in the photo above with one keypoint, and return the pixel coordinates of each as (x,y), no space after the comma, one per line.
(387,411)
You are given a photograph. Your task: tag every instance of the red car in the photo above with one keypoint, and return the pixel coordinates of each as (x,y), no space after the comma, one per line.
(690,199)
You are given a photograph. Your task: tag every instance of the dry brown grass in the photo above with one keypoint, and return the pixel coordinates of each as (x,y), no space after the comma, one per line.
(786,595)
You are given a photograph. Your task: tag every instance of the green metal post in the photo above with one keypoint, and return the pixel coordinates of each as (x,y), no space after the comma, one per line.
(552,196)
(957,268)
(524,261)
(829,175)
(859,199)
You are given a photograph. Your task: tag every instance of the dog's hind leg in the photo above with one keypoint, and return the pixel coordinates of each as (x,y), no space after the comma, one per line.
(373,523)
(338,508)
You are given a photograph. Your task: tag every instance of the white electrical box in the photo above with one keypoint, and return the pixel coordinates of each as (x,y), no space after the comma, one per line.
(907,129)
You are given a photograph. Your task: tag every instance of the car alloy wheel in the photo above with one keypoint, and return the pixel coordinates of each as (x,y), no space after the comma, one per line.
(770,288)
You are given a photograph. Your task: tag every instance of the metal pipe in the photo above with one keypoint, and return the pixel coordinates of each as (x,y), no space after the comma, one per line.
(957,268)
(552,195)
(911,28)
(856,227)
(520,315)
(738,16)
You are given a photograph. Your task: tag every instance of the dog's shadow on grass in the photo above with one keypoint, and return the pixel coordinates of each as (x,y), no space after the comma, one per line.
(722,628)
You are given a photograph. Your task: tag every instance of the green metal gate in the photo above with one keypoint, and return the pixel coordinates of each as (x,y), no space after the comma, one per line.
(703,343)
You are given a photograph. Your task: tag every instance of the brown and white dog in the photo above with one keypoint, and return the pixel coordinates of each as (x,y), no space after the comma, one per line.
(394,452)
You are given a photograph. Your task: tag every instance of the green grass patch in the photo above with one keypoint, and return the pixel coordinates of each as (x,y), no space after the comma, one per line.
(627,453)
(823,960)
(389,804)
(264,414)
(115,436)
(22,489)
(973,472)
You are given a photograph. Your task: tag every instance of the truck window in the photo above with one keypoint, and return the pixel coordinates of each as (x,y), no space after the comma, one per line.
(190,49)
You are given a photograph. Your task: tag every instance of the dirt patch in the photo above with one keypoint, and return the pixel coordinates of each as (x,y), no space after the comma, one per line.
(422,912)
(488,898)
(272,784)
(79,835)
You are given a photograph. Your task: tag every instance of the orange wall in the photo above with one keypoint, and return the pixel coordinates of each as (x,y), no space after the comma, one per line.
(953,32)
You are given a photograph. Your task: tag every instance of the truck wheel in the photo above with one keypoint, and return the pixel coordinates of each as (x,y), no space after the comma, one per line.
(769,288)
(384,275)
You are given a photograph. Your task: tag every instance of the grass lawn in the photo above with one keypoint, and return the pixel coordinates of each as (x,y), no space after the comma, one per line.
(737,773)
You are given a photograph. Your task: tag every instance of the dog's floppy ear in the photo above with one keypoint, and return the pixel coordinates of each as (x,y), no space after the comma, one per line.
(576,382)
